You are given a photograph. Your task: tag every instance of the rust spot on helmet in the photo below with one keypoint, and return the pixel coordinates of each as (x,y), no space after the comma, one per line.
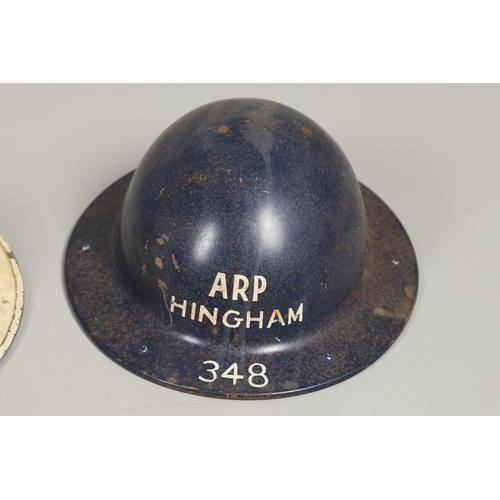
(307,131)
(175,263)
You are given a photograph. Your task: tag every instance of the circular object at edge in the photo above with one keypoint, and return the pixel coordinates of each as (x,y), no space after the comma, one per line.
(11,297)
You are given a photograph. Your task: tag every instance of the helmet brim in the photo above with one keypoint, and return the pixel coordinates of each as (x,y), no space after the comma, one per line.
(362,328)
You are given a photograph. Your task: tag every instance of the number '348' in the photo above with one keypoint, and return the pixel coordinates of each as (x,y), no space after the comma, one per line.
(255,378)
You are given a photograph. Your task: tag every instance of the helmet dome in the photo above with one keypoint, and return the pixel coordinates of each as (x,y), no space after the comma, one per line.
(243,215)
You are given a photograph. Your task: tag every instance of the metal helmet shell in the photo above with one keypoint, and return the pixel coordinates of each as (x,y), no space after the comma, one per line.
(243,241)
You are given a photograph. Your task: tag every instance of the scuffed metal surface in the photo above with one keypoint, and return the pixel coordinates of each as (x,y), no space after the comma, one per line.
(245,241)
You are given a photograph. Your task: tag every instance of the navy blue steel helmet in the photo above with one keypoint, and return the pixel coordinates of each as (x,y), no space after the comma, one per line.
(242,259)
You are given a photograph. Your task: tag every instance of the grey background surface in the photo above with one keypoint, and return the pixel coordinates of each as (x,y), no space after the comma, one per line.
(431,152)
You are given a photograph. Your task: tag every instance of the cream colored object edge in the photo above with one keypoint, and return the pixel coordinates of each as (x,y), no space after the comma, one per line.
(11,296)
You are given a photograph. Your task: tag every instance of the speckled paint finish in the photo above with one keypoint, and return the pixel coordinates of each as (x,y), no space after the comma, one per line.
(243,237)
